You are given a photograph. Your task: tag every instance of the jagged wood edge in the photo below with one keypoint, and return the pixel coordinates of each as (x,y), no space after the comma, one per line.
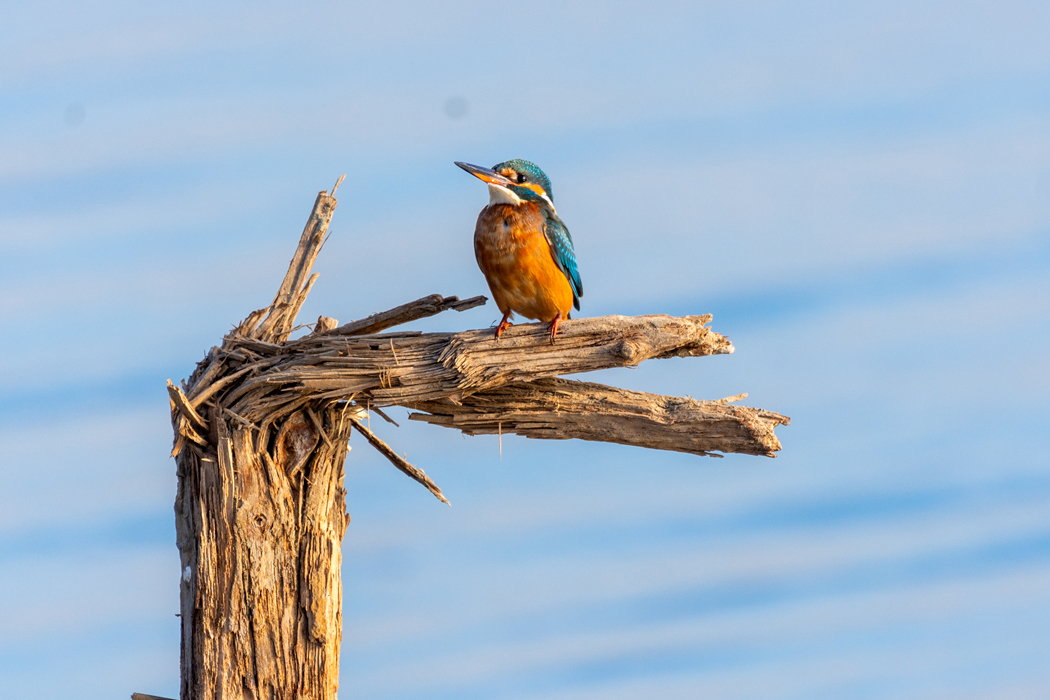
(562,409)
(400,315)
(213,382)
(435,372)
(406,368)
(274,323)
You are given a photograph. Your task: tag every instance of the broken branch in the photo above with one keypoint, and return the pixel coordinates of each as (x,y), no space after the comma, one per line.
(274,323)
(406,368)
(406,313)
(560,409)
(398,461)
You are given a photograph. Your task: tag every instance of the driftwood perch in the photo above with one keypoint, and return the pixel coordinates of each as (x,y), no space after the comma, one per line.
(261,430)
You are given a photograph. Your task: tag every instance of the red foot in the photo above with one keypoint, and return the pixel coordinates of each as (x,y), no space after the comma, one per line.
(554,326)
(503,325)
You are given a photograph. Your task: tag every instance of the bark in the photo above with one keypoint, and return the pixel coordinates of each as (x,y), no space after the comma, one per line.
(261,430)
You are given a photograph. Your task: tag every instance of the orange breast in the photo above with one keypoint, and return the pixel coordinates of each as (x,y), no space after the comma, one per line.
(513,253)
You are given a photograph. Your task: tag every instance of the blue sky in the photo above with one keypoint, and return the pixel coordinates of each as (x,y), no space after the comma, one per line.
(859,193)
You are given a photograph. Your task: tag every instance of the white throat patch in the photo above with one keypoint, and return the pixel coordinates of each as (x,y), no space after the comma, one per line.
(501,195)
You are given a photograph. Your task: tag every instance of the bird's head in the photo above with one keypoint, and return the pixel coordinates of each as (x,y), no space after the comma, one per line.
(514,182)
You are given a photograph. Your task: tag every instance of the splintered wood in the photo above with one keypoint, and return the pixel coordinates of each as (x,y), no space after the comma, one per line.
(260,516)
(261,436)
(406,368)
(559,409)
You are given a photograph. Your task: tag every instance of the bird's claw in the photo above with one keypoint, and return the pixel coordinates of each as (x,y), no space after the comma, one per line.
(554,326)
(503,325)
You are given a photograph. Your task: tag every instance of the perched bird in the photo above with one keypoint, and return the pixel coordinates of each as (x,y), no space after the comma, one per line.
(523,248)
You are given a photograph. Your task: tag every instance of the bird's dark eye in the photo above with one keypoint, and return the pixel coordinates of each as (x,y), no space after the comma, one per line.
(521,177)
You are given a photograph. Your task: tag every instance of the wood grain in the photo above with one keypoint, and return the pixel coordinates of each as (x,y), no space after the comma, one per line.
(560,409)
(406,313)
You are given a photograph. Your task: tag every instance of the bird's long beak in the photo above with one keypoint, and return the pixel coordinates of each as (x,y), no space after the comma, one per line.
(487,174)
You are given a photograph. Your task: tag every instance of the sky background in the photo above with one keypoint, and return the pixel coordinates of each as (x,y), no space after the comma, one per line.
(859,193)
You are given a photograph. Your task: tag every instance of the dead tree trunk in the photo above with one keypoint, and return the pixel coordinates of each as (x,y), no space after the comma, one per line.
(261,431)
(260,517)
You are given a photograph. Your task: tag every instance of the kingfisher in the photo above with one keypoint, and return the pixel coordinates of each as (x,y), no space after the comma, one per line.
(523,247)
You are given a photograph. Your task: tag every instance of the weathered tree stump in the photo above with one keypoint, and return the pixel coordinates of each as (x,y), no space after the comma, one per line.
(261,430)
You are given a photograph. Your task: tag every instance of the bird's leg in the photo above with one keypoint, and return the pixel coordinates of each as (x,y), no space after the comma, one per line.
(554,326)
(503,324)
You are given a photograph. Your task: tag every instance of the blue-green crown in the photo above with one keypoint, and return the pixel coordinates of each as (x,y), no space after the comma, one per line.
(531,172)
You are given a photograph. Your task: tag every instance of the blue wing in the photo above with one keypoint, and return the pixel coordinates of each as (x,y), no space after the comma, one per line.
(564,254)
